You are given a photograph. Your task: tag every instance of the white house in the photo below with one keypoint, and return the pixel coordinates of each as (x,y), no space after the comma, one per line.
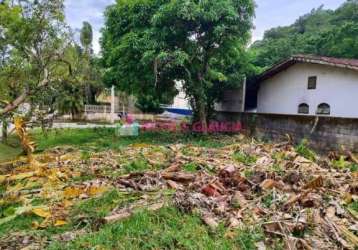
(310,85)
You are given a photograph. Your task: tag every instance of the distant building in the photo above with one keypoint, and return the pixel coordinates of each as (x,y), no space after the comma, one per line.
(308,85)
(181,104)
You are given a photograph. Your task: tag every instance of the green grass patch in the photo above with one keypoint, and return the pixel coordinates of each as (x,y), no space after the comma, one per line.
(341,163)
(245,158)
(165,229)
(248,173)
(8,153)
(191,167)
(276,168)
(354,206)
(86,155)
(93,209)
(104,139)
(8,209)
(20,223)
(3,188)
(353,167)
(267,200)
(83,178)
(303,150)
(38,201)
(138,165)
(279,156)
(73,137)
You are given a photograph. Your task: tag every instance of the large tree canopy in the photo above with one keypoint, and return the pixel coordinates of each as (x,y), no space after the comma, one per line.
(33,38)
(39,61)
(150,44)
(129,49)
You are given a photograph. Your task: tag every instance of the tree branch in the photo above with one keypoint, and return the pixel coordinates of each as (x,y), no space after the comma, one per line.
(13,105)
(20,99)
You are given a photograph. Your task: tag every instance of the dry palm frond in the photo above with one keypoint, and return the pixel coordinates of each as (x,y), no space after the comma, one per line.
(26,143)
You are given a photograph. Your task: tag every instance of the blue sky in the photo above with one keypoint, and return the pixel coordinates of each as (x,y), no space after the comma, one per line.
(269,13)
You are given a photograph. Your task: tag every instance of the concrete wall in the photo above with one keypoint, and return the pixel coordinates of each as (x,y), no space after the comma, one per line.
(232,101)
(324,133)
(337,87)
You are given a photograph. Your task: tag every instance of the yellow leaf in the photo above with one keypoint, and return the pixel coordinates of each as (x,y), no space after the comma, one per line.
(347,198)
(21,176)
(92,191)
(16,188)
(35,225)
(59,223)
(76,174)
(72,192)
(140,145)
(41,212)
(2,178)
(67,203)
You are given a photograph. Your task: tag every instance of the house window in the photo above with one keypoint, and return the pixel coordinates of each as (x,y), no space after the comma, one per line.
(303,108)
(323,109)
(312,82)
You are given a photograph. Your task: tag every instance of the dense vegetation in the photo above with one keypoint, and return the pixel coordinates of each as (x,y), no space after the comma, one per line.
(41,64)
(320,32)
(149,45)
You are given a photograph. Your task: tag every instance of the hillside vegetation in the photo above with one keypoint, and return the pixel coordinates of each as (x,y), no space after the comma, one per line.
(320,32)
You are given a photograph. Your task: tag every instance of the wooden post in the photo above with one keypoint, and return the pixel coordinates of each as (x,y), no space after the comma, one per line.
(243,95)
(112,104)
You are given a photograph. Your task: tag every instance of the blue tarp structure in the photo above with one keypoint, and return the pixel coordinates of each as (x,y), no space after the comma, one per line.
(179,111)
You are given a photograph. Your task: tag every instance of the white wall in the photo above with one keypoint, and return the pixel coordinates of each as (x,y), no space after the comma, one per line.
(338,87)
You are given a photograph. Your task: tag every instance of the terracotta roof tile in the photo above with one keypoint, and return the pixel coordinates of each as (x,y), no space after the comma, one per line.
(330,61)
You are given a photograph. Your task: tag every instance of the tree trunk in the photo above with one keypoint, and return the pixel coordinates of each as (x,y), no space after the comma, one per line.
(4,130)
(43,127)
(201,109)
(73,115)
(200,104)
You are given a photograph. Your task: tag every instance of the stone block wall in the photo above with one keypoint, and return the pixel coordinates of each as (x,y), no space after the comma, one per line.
(324,133)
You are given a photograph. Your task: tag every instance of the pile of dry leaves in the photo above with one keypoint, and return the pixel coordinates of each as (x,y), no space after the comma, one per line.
(270,186)
(288,196)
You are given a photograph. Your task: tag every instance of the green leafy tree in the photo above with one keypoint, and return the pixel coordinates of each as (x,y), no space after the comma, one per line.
(67,95)
(321,32)
(148,45)
(90,65)
(87,37)
(70,99)
(33,36)
(340,42)
(128,48)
